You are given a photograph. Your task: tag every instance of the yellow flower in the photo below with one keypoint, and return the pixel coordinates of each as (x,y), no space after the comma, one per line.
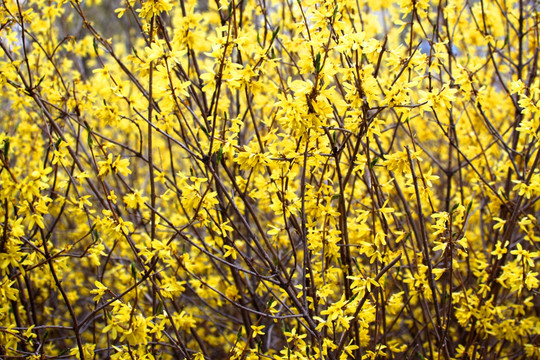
(152,8)
(99,291)
(519,252)
(257,330)
(230,251)
(88,351)
(500,250)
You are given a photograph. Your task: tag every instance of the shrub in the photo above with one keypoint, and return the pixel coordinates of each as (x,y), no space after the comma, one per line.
(264,179)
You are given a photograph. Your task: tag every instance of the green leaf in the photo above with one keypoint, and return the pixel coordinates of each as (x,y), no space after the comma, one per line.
(274,34)
(39,81)
(6,148)
(133,270)
(89,139)
(95,235)
(284,327)
(91,231)
(239,335)
(95,46)
(57,143)
(219,154)
(317,63)
(469,206)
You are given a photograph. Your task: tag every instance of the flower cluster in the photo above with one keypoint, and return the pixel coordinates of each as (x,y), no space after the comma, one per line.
(314,179)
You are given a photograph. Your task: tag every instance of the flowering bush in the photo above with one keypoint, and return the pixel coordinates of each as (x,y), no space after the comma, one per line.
(256,179)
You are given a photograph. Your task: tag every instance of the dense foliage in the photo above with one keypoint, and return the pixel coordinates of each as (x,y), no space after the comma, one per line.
(266,179)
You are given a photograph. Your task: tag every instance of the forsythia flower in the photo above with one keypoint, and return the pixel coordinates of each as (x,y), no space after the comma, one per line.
(257,330)
(99,291)
(151,8)
(277,180)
